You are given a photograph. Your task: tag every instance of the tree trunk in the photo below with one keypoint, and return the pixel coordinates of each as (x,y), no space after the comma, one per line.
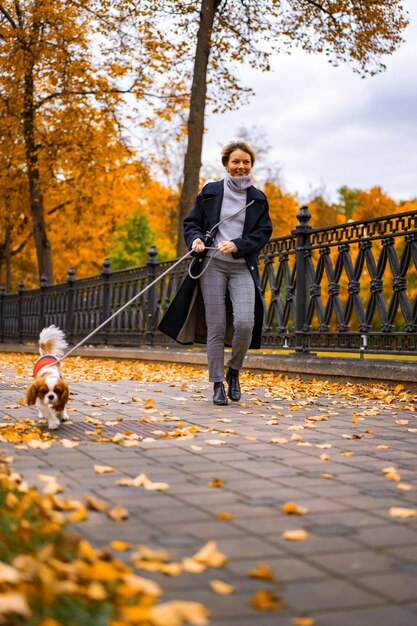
(43,247)
(195,124)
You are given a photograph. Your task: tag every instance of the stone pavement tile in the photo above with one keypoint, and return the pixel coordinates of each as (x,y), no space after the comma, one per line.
(212,498)
(396,586)
(316,504)
(285,568)
(327,594)
(407,553)
(249,547)
(280,493)
(389,535)
(412,606)
(232,478)
(28,465)
(314,544)
(353,518)
(175,515)
(203,530)
(367,502)
(352,564)
(280,618)
(242,510)
(328,489)
(376,616)
(228,456)
(271,525)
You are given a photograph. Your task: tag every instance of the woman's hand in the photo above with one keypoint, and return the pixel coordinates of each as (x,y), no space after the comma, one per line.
(198,245)
(227,247)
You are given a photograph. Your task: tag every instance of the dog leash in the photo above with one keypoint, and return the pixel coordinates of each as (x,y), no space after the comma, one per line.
(125,305)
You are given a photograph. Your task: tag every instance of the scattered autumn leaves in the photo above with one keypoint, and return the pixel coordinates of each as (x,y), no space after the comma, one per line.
(103,581)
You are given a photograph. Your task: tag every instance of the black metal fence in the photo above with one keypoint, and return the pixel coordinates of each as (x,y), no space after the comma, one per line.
(349,287)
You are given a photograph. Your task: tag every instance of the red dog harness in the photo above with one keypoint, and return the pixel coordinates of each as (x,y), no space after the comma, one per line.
(45,362)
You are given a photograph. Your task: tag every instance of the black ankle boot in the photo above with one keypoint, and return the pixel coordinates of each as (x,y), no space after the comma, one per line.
(232,378)
(219,395)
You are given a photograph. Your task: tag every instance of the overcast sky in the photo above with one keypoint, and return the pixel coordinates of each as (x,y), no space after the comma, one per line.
(328,127)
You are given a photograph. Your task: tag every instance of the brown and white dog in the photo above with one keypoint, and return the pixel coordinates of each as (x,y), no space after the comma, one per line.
(49,391)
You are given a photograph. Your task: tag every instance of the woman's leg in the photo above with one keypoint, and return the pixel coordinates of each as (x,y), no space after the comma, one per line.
(213,286)
(242,295)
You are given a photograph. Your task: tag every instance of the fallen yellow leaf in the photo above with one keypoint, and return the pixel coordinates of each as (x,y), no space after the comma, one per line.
(94,504)
(264,600)
(215,442)
(290,508)
(103,469)
(216,482)
(176,613)
(295,535)
(402,512)
(392,476)
(121,546)
(67,443)
(210,555)
(262,571)
(118,513)
(224,516)
(79,515)
(9,574)
(14,603)
(222,588)
(405,487)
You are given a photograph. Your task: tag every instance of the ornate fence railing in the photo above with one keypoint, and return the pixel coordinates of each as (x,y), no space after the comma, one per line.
(349,287)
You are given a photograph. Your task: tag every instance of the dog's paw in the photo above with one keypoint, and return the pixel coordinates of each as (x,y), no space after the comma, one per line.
(53,423)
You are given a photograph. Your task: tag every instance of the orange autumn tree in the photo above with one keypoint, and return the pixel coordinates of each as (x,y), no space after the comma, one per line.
(283,209)
(66,69)
(373,203)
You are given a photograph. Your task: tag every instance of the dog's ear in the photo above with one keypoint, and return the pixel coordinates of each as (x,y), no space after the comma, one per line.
(63,394)
(32,394)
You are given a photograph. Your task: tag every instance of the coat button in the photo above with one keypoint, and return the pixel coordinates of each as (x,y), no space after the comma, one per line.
(252,268)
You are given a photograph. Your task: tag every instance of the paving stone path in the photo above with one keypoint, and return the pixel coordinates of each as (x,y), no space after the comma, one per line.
(358,566)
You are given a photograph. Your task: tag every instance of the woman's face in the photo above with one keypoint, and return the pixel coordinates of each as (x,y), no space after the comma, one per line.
(239,163)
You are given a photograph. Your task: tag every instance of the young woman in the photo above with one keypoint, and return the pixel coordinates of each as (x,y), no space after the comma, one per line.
(224,306)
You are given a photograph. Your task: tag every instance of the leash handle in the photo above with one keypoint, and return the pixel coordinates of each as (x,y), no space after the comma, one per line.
(207,264)
(125,306)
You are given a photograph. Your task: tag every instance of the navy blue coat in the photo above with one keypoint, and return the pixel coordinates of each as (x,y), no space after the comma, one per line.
(185,319)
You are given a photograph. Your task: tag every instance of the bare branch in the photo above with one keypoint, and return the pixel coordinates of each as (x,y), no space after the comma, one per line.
(8,16)
(320,6)
(58,207)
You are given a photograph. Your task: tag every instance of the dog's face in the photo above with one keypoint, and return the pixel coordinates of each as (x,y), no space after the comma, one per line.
(50,390)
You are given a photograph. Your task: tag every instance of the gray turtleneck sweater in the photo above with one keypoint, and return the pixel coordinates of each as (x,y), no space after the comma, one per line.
(234,199)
